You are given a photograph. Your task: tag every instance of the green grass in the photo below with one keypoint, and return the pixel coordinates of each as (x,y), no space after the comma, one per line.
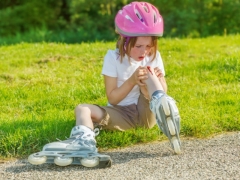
(41,83)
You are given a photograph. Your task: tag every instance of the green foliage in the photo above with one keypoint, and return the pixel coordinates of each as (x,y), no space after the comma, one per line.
(83,20)
(188,18)
(41,83)
(26,15)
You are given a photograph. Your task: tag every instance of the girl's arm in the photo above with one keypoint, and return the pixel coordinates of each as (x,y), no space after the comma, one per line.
(116,94)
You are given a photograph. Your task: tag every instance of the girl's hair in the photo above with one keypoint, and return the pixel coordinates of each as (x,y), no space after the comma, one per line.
(124,44)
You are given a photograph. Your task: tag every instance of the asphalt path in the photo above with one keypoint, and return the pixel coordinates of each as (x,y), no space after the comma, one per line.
(213,158)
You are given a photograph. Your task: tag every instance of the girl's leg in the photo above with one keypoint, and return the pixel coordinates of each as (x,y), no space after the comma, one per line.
(80,147)
(87,114)
(83,132)
(153,84)
(165,110)
(146,116)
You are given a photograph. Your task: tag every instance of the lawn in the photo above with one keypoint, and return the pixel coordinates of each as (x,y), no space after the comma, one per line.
(41,83)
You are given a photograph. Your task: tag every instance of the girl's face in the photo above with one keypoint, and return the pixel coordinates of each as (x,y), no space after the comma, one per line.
(141,48)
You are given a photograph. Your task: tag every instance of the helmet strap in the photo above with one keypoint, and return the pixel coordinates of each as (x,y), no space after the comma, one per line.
(126,43)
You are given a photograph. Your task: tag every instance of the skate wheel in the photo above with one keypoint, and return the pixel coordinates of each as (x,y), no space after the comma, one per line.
(176,145)
(36,160)
(63,161)
(165,106)
(171,126)
(90,162)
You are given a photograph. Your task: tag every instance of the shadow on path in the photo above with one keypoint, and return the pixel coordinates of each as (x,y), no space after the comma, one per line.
(23,165)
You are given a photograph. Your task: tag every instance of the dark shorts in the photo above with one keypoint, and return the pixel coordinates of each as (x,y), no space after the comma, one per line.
(126,117)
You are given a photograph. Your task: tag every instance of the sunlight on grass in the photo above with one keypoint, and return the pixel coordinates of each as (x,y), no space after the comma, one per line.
(41,83)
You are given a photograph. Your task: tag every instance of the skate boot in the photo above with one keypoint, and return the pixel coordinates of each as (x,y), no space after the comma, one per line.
(79,149)
(167,117)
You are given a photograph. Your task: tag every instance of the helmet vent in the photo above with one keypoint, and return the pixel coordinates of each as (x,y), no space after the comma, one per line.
(155,18)
(138,15)
(145,8)
(127,17)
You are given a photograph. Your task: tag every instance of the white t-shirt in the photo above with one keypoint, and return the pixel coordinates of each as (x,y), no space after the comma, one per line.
(113,67)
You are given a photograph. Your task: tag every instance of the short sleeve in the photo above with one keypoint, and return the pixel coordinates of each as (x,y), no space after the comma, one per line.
(109,64)
(160,62)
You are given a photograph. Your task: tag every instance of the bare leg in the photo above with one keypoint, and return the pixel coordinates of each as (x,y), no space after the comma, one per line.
(86,114)
(165,110)
(153,83)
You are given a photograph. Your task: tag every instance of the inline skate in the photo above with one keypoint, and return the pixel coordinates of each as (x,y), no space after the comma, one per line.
(79,149)
(167,117)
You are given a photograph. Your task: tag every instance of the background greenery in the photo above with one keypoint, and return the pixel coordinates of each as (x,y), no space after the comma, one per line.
(41,83)
(74,21)
(47,68)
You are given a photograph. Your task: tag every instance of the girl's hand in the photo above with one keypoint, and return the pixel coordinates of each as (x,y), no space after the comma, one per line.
(158,72)
(139,76)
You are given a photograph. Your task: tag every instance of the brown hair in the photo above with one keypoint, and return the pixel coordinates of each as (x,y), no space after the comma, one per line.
(124,44)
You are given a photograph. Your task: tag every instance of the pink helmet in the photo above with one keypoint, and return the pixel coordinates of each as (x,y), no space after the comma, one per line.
(139,19)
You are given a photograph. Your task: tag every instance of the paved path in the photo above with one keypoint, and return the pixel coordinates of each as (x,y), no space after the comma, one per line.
(215,158)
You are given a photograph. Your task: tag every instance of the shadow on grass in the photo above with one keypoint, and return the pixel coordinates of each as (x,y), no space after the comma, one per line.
(61,36)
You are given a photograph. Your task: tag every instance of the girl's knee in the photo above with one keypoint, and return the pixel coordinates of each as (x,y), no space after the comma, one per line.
(81,108)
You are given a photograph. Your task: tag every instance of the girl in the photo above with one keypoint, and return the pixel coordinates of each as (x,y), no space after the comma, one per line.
(134,80)
(135,85)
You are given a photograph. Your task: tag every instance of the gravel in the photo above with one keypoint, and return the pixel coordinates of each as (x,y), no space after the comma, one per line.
(215,158)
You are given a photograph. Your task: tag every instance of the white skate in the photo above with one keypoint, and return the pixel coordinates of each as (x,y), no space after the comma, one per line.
(167,117)
(79,149)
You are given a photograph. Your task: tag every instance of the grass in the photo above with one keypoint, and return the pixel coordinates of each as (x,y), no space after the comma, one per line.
(41,83)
